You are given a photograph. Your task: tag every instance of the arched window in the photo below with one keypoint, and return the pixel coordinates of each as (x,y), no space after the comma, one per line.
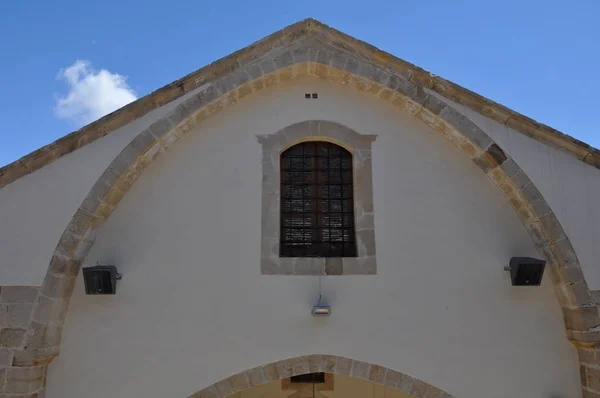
(317,209)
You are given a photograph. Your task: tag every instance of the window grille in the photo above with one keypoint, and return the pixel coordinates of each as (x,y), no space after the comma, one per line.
(317,207)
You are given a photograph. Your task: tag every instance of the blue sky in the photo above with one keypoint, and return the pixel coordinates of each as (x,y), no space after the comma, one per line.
(540,58)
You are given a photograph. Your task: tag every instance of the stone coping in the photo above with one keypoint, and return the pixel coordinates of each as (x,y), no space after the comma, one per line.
(308,27)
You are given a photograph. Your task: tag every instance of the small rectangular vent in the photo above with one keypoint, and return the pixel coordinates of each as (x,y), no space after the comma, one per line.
(317,378)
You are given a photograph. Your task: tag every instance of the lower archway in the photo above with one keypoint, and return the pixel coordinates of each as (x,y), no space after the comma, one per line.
(342,369)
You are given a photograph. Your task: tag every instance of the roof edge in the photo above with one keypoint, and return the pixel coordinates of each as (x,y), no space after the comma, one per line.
(452,91)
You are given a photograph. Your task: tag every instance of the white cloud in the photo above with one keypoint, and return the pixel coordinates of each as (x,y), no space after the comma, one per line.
(92,94)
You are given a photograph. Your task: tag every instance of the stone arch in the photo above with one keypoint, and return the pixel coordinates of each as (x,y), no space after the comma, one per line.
(311,57)
(320,363)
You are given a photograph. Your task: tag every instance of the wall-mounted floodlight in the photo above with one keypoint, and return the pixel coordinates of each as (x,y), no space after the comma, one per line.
(526,271)
(101,279)
(321,310)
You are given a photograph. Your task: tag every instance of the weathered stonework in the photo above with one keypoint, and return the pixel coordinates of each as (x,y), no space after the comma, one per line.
(360,147)
(304,49)
(321,363)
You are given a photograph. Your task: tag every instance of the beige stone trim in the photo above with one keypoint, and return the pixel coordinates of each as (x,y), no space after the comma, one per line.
(305,57)
(330,364)
(328,385)
(242,58)
(360,148)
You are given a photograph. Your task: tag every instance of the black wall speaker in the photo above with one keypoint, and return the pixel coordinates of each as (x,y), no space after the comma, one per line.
(100,279)
(526,271)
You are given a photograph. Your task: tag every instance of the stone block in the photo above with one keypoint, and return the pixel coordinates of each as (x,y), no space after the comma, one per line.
(359,266)
(284,369)
(18,314)
(270,247)
(12,337)
(434,392)
(553,228)
(590,394)
(582,319)
(360,370)
(565,253)
(34,357)
(352,65)
(50,310)
(68,244)
(379,76)
(58,286)
(301,54)
(419,388)
(392,378)
(405,384)
(531,193)
(267,66)
(18,294)
(377,374)
(142,141)
(411,91)
(177,115)
(309,266)
(223,388)
(338,60)
(239,382)
(593,378)
(255,377)
(314,363)
(474,134)
(333,266)
(366,242)
(3,316)
(299,365)
(587,355)
(484,162)
(209,392)
(328,364)
(433,104)
(343,366)
(82,220)
(570,275)
(44,336)
(511,168)
(270,372)
(541,208)
(23,380)
(596,296)
(451,116)
(277,266)
(254,71)
(6,357)
(579,294)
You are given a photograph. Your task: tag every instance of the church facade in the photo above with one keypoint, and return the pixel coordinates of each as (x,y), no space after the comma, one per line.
(308,205)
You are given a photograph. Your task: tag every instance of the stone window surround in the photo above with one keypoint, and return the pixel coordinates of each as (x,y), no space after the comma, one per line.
(359,146)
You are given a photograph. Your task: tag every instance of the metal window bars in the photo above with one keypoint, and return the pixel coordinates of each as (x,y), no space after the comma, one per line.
(317,209)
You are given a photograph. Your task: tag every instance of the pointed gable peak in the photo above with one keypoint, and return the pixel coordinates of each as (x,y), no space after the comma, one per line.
(313,42)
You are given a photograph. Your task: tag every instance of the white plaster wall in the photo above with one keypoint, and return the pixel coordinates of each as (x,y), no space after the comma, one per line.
(571,187)
(192,307)
(36,209)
